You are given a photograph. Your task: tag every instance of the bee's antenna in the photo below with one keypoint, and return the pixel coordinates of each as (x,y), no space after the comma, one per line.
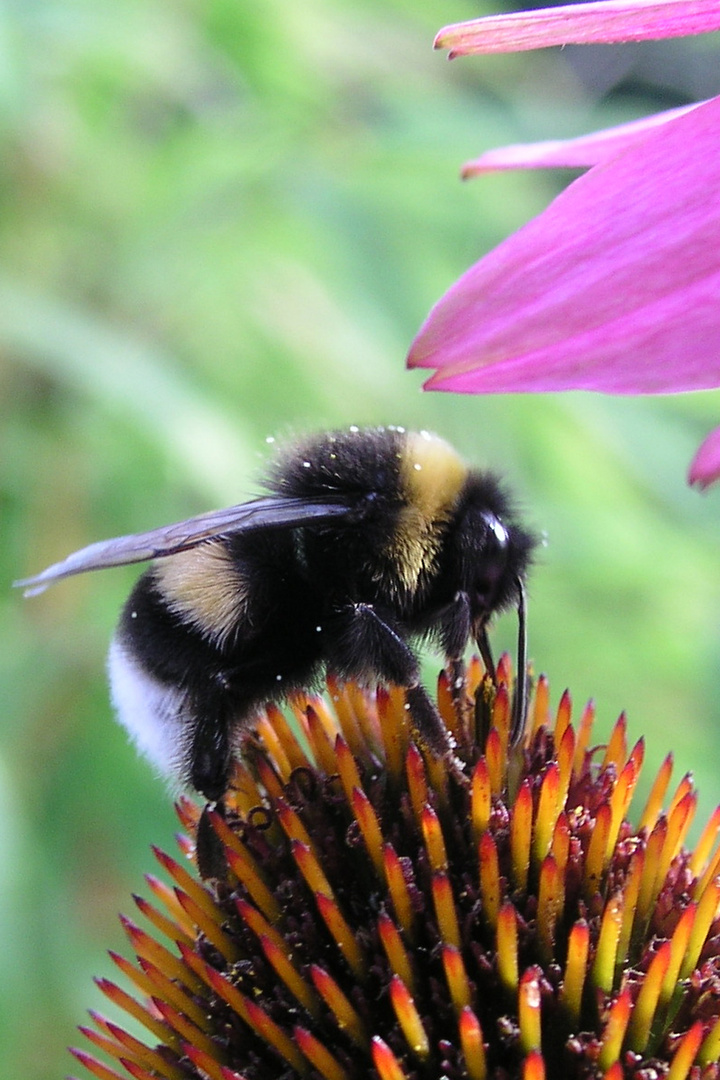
(520,695)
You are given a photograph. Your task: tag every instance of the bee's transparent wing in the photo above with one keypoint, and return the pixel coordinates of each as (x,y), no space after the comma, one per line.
(271,512)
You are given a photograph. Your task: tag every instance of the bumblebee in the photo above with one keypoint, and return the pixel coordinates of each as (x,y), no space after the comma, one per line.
(366,543)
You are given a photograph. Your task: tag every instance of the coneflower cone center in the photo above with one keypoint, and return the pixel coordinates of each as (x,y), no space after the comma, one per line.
(381,916)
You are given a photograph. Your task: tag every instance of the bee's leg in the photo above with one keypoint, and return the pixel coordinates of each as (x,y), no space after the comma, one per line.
(454,631)
(209,756)
(483,694)
(429,727)
(364,640)
(210,763)
(520,691)
(483,644)
(209,851)
(463,706)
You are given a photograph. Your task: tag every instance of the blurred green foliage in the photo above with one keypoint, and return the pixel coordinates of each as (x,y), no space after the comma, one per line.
(222,221)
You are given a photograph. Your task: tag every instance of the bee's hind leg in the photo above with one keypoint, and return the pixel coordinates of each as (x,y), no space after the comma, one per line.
(209,850)
(209,767)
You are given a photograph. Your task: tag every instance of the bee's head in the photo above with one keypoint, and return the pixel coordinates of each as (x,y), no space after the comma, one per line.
(491,551)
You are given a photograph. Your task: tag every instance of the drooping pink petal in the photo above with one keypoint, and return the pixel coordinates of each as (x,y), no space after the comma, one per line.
(705,466)
(580,24)
(579,153)
(615,287)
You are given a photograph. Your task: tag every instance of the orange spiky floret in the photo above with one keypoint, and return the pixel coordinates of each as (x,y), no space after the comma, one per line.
(381,916)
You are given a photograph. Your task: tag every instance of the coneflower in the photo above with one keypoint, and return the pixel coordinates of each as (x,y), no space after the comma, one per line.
(379,917)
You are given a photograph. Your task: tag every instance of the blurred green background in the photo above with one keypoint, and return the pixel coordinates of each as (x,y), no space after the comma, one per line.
(224,221)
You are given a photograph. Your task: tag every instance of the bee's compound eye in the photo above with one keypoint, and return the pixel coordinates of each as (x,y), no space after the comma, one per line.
(491,565)
(497,533)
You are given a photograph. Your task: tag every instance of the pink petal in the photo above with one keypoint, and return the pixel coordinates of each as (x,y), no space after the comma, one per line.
(579,153)
(615,287)
(579,24)
(705,466)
